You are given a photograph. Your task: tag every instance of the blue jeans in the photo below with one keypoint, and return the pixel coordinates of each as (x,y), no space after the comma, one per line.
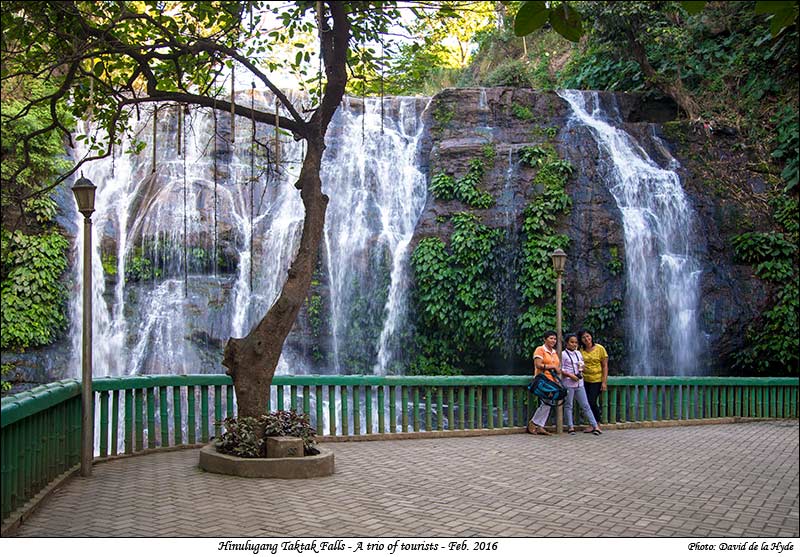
(583,402)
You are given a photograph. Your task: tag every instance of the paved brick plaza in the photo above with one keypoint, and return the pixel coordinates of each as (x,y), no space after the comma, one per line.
(736,480)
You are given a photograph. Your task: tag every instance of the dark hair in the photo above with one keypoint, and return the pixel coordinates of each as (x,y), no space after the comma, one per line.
(569,336)
(549,334)
(580,337)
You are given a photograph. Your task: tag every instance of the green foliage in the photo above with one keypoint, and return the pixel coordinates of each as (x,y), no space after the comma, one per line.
(567,21)
(535,156)
(755,247)
(564,19)
(457,312)
(489,153)
(788,144)
(43,208)
(443,186)
(288,423)
(537,277)
(773,344)
(314,312)
(443,113)
(600,68)
(602,318)
(5,371)
(512,73)
(243,437)
(32,291)
(465,189)
(615,265)
(246,437)
(109,263)
(138,268)
(199,258)
(521,112)
(601,321)
(549,132)
(46,151)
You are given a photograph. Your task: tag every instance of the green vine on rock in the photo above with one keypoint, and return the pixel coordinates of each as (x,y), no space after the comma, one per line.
(772,344)
(615,265)
(32,291)
(465,189)
(521,112)
(600,320)
(537,277)
(457,313)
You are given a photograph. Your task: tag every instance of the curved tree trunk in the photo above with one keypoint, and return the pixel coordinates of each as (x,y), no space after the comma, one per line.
(251,361)
(672,87)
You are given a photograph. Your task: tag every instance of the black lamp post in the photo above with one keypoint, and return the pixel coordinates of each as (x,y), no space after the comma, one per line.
(84,196)
(559,262)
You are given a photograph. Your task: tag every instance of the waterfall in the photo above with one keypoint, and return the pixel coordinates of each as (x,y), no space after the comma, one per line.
(149,319)
(662,274)
(377,191)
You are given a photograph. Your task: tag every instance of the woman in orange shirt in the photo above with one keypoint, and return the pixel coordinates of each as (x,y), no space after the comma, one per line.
(545,357)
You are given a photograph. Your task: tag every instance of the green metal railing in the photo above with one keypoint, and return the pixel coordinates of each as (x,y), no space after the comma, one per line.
(41,428)
(41,439)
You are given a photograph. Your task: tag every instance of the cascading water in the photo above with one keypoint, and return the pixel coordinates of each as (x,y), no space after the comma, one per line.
(662,275)
(377,193)
(181,278)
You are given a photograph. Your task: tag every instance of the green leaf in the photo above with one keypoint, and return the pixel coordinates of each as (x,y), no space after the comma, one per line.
(567,22)
(530,17)
(767,7)
(693,8)
(781,20)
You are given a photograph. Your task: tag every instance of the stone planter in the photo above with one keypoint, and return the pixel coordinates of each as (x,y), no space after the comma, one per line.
(296,467)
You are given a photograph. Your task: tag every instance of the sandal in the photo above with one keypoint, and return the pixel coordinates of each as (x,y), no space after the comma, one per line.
(597,432)
(542,431)
(571,431)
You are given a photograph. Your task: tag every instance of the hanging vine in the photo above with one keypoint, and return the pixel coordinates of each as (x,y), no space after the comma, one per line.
(182,143)
(252,174)
(155,147)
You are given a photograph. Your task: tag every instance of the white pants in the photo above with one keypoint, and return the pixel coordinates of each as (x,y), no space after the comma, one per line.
(540,416)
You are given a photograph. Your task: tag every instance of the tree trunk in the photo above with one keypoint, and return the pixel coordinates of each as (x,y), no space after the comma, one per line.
(251,361)
(672,87)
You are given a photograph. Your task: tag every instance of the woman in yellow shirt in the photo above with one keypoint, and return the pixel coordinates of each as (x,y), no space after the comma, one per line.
(595,374)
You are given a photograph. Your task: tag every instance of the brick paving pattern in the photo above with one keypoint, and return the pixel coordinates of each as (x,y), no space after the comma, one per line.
(737,480)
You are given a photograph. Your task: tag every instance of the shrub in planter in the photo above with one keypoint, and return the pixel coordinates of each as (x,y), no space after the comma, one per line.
(243,437)
(246,437)
(285,423)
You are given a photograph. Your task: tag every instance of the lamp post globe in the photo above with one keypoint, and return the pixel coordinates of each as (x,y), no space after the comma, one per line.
(559,261)
(84,189)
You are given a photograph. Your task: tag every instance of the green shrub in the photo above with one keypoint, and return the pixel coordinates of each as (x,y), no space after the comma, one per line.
(521,112)
(513,73)
(457,315)
(465,189)
(33,293)
(246,437)
(773,342)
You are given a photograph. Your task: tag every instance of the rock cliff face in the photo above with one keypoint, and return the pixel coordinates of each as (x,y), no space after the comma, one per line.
(461,124)
(464,121)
